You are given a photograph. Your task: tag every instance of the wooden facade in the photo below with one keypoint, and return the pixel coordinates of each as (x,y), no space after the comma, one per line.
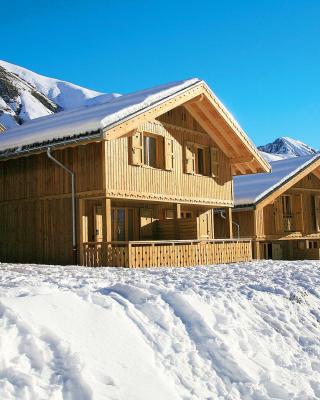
(161,181)
(286,223)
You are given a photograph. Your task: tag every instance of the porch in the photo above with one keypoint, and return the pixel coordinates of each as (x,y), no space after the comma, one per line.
(165,253)
(132,234)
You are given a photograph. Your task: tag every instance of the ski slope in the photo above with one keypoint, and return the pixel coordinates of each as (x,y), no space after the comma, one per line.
(241,331)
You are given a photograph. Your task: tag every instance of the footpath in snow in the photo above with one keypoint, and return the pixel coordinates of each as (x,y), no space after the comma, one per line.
(241,331)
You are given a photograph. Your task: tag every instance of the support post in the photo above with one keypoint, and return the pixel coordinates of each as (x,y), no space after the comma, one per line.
(257,232)
(107,228)
(212,223)
(107,231)
(178,211)
(229,222)
(81,231)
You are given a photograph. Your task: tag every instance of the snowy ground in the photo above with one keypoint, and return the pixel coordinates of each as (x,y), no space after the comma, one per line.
(246,331)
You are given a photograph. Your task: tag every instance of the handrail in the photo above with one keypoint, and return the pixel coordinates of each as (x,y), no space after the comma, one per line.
(179,241)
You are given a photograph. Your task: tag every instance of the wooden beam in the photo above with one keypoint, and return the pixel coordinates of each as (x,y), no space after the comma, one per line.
(82,235)
(241,160)
(197,99)
(207,126)
(107,228)
(229,222)
(296,189)
(178,211)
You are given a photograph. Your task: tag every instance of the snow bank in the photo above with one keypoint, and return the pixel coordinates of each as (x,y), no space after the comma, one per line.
(243,331)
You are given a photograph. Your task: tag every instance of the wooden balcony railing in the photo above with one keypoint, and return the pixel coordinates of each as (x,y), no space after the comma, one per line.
(170,253)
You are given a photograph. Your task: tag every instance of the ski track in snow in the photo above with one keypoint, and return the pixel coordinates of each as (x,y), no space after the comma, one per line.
(240,331)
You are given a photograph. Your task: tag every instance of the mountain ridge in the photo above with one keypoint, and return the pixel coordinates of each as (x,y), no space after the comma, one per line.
(26,95)
(285,147)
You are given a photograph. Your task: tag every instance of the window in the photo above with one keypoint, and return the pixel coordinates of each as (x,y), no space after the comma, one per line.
(186,214)
(200,166)
(287,206)
(150,151)
(288,219)
(169,214)
(312,244)
(201,160)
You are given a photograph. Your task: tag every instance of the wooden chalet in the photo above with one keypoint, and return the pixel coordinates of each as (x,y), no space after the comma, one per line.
(280,211)
(131,182)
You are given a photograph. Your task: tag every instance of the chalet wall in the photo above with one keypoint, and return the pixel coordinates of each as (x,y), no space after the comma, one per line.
(150,183)
(246,221)
(36,231)
(38,176)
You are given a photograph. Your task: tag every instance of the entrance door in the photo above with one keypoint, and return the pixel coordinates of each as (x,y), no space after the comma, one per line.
(205,231)
(122,224)
(276,251)
(97,221)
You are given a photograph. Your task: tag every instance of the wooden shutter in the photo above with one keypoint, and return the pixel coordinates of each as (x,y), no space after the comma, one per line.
(168,154)
(317,212)
(278,214)
(190,158)
(214,161)
(137,148)
(298,212)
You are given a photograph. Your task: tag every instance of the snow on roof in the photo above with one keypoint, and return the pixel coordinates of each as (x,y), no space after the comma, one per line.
(249,189)
(66,124)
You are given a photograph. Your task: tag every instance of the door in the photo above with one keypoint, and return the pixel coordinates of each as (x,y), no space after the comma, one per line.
(122,224)
(98,225)
(146,224)
(276,251)
(205,225)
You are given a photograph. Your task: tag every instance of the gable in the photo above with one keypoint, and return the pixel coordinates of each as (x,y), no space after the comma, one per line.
(310,181)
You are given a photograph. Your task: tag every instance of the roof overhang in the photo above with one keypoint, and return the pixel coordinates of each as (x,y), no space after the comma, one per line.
(210,113)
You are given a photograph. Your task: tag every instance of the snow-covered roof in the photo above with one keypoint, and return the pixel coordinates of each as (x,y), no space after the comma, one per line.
(250,189)
(88,119)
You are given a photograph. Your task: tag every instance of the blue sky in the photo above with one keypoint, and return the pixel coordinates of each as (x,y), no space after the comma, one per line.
(260,57)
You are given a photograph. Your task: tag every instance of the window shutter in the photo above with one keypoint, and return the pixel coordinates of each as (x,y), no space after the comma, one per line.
(278,214)
(214,161)
(137,148)
(298,212)
(316,212)
(190,158)
(168,153)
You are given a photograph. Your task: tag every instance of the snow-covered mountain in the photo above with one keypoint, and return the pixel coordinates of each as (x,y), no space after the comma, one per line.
(285,147)
(25,95)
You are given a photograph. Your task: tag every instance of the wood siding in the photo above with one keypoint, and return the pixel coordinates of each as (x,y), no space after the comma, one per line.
(138,182)
(37,176)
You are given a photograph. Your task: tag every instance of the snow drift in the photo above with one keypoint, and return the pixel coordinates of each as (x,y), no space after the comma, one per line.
(242,331)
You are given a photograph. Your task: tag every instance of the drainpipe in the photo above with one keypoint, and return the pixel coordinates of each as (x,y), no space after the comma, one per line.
(73,203)
(234,223)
